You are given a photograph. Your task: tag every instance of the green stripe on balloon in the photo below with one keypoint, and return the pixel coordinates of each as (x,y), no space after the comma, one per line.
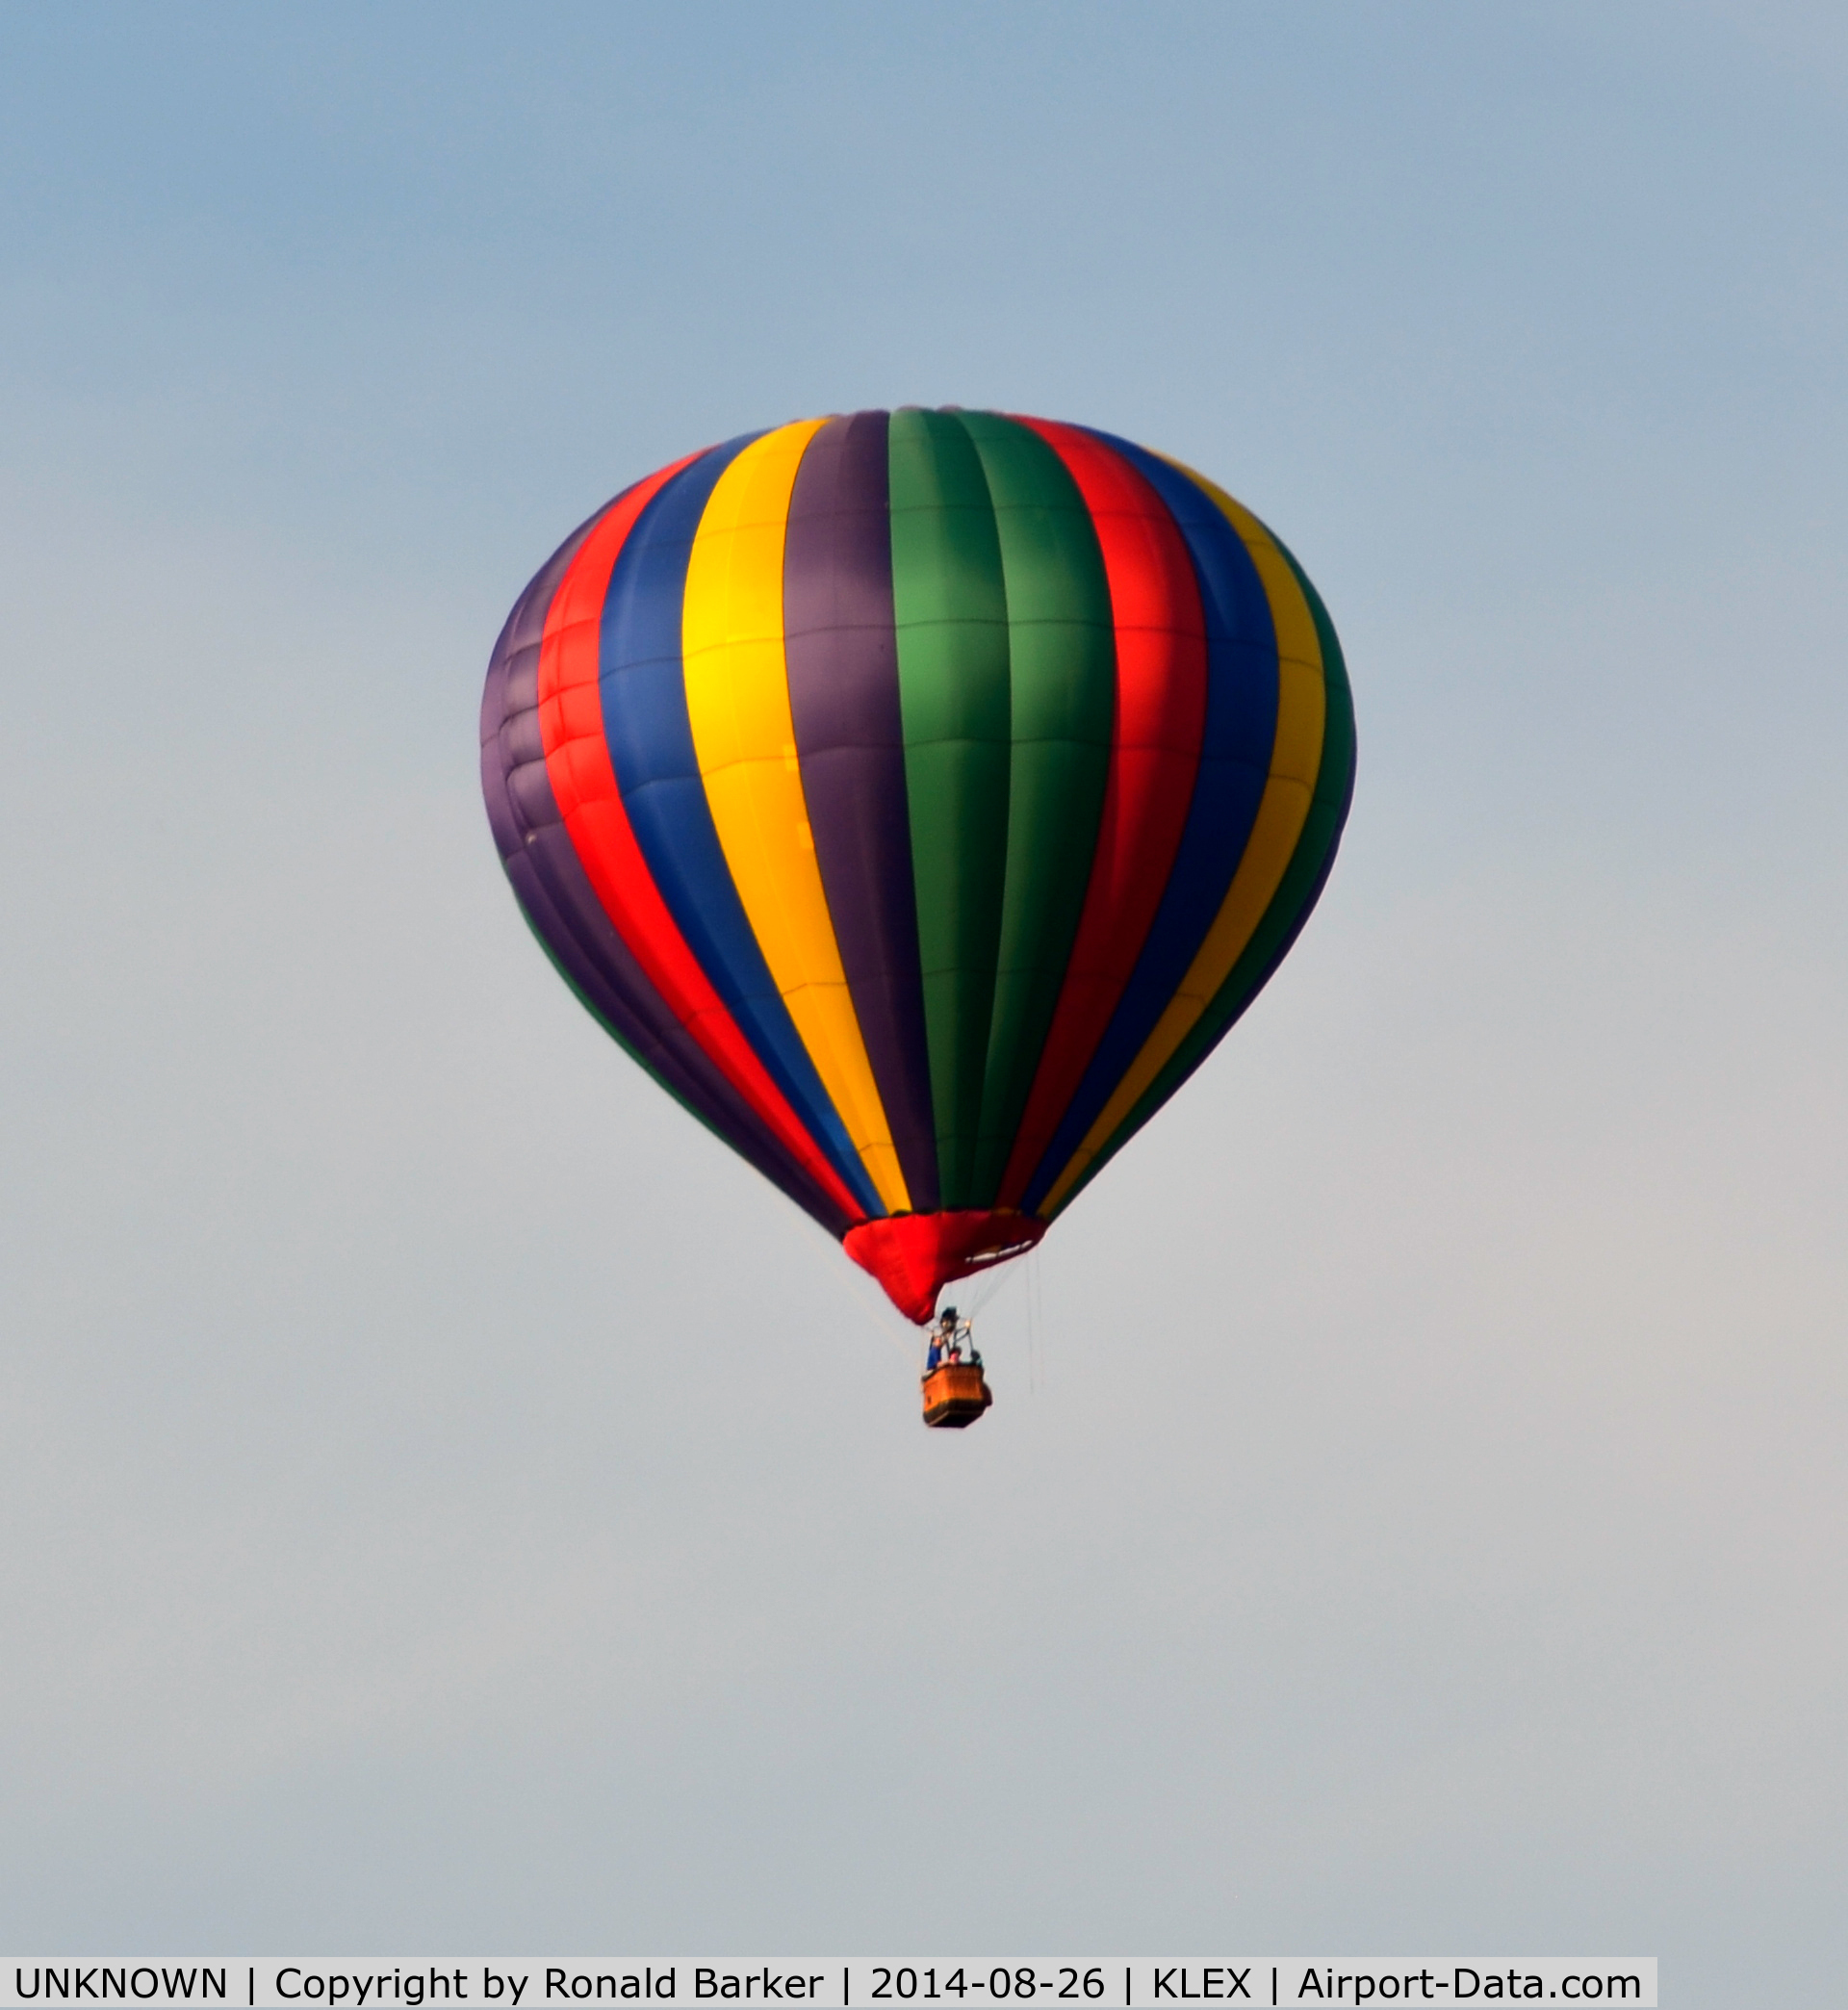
(950,613)
(1061,664)
(1295,893)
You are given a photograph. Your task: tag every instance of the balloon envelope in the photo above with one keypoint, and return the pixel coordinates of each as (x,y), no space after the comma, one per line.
(919,797)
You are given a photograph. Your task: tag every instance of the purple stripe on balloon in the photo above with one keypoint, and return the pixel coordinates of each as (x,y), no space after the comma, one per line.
(557,899)
(550,887)
(842,659)
(516,656)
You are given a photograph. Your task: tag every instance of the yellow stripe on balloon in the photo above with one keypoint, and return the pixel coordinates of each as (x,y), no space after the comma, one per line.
(738,701)
(1295,759)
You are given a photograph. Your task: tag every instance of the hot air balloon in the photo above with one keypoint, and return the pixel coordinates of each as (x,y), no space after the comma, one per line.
(919,797)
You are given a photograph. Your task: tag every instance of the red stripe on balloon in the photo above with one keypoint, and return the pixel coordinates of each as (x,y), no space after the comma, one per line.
(1154,758)
(570,725)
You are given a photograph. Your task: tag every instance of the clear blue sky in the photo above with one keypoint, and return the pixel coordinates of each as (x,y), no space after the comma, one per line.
(447,1502)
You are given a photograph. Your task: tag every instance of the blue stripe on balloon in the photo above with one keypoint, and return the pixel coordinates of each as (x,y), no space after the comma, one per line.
(1235,760)
(651,748)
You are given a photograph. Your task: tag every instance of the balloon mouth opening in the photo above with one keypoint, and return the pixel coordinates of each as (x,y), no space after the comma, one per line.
(980,1258)
(913,1256)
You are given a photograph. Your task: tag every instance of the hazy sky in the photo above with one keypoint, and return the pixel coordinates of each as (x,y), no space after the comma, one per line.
(448,1503)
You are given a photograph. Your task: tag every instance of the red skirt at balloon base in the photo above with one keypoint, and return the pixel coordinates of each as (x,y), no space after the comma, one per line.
(913,1256)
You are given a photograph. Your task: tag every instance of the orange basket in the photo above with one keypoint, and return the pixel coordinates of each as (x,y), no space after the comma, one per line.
(955,1395)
